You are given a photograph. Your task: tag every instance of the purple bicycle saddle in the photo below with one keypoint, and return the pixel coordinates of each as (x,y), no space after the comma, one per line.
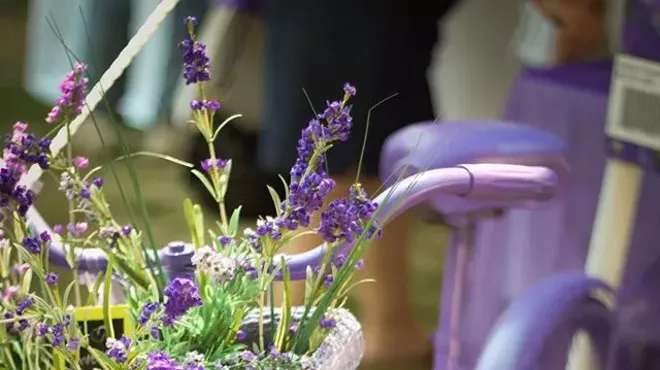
(431,145)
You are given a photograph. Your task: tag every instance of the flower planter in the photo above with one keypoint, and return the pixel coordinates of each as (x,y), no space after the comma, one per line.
(342,349)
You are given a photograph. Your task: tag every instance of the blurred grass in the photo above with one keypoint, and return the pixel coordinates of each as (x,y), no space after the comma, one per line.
(163,184)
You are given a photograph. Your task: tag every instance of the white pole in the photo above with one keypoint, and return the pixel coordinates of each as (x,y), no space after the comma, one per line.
(610,240)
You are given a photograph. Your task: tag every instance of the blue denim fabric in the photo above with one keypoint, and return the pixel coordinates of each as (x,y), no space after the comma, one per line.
(95,31)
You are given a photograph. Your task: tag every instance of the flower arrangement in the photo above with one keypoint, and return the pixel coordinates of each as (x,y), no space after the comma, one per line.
(192,321)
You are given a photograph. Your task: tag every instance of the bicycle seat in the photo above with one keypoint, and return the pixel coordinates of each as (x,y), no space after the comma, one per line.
(431,145)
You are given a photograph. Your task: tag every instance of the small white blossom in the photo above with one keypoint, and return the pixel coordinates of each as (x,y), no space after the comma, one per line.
(194,358)
(112,343)
(201,256)
(249,232)
(223,268)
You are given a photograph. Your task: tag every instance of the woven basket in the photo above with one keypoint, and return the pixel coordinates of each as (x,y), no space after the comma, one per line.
(342,349)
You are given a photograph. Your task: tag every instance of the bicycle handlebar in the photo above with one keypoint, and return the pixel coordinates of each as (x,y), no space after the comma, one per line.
(496,184)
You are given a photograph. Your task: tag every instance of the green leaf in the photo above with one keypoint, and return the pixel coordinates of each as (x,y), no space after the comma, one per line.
(285,319)
(277,202)
(223,181)
(91,172)
(94,292)
(189,214)
(366,132)
(291,237)
(27,282)
(234,222)
(214,237)
(285,185)
(159,277)
(205,181)
(199,223)
(268,279)
(103,360)
(352,286)
(223,124)
(309,284)
(67,292)
(156,155)
(134,276)
(18,232)
(107,286)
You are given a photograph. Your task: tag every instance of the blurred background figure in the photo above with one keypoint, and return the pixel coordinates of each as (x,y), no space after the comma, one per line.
(95,31)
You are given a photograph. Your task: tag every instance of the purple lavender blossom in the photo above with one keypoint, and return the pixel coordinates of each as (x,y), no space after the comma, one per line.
(339,260)
(310,185)
(10,325)
(182,295)
(22,325)
(74,344)
(45,237)
(58,334)
(24,305)
(209,164)
(98,182)
(349,89)
(240,335)
(52,279)
(193,361)
(41,329)
(224,240)
(328,280)
(196,64)
(118,349)
(292,329)
(126,230)
(328,322)
(248,356)
(148,310)
(190,21)
(346,218)
(21,150)
(210,105)
(32,244)
(72,99)
(159,360)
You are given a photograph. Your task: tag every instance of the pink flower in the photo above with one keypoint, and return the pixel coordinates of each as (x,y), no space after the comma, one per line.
(21,269)
(78,228)
(20,127)
(10,292)
(81,162)
(54,114)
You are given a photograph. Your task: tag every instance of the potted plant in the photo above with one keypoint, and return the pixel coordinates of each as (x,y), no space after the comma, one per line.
(213,314)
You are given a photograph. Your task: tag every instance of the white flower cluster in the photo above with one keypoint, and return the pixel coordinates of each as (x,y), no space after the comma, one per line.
(193,358)
(215,264)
